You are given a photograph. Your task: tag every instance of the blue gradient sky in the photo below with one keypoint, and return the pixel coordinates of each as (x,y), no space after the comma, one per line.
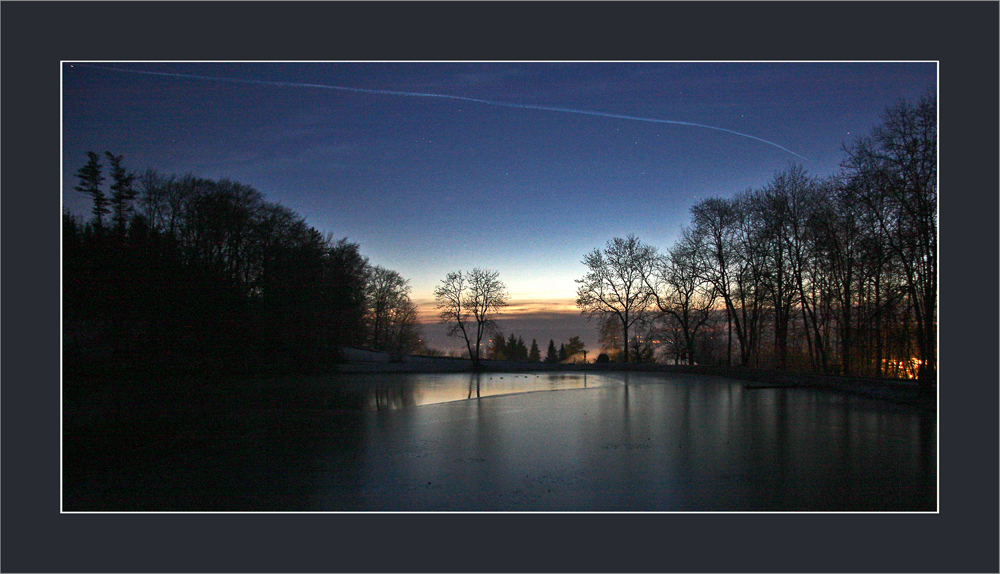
(431,185)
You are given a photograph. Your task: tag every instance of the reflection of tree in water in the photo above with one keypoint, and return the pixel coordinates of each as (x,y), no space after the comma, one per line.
(391,396)
(474,381)
(371,395)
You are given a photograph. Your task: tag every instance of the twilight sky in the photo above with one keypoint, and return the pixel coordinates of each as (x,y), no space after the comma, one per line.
(521,167)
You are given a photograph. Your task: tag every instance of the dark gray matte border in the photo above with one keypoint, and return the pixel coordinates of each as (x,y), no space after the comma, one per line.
(963,36)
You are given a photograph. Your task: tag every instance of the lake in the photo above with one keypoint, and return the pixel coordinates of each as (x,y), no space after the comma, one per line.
(567,441)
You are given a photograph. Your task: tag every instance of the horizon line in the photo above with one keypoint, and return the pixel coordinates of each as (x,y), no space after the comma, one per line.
(520,309)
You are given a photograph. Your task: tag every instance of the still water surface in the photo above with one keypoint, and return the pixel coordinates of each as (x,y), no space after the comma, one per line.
(398,390)
(544,442)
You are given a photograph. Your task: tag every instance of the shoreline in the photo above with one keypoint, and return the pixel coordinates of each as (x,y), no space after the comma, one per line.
(361,361)
(901,391)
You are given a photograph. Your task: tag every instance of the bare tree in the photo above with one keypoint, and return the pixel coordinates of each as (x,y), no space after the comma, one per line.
(682,297)
(854,255)
(615,285)
(403,334)
(804,202)
(895,173)
(718,259)
(842,234)
(391,313)
(778,208)
(469,303)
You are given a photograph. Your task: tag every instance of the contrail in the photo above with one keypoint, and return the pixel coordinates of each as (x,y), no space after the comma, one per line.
(446,97)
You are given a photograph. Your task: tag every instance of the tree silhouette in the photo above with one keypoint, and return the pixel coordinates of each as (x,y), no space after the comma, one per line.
(122,193)
(391,316)
(521,353)
(731,259)
(894,172)
(551,355)
(469,303)
(535,354)
(681,295)
(206,274)
(497,347)
(615,283)
(574,347)
(511,347)
(835,274)
(90,183)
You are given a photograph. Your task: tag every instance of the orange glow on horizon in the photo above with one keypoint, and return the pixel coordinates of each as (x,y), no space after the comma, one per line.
(427,311)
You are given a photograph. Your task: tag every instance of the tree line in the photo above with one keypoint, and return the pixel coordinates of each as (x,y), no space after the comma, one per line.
(514,349)
(187,272)
(833,275)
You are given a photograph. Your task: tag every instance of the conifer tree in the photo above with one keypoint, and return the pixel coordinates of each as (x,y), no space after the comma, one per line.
(497,348)
(90,183)
(535,355)
(550,355)
(574,347)
(122,192)
(522,350)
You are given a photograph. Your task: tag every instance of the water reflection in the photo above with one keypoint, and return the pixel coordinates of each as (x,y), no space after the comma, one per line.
(367,392)
(649,442)
(506,441)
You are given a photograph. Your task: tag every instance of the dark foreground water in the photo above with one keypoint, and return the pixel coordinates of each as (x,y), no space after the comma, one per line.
(495,442)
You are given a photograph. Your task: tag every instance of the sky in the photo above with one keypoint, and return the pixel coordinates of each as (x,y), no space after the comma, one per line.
(520,167)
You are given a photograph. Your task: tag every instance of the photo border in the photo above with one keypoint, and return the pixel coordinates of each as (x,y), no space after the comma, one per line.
(961,36)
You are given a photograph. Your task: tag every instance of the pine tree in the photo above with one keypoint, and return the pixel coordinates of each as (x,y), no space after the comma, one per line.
(522,350)
(550,355)
(90,183)
(122,192)
(574,347)
(562,352)
(535,355)
(512,348)
(497,348)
